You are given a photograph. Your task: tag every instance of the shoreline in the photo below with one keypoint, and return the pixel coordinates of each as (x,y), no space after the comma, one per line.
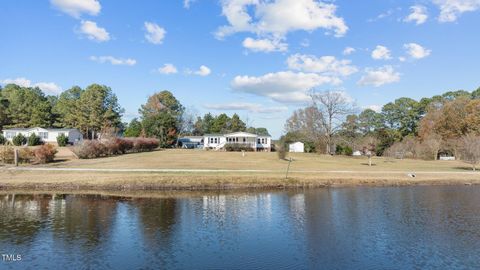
(222,180)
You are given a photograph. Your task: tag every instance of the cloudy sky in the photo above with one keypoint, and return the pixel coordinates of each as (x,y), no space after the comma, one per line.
(258,58)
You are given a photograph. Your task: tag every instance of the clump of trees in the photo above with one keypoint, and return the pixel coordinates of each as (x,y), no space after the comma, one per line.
(94,110)
(165,118)
(404,128)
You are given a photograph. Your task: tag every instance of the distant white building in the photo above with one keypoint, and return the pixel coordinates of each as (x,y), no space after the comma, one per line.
(356,153)
(296,147)
(47,135)
(219,141)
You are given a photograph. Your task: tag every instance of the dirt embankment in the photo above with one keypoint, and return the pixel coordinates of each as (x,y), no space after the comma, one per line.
(114,181)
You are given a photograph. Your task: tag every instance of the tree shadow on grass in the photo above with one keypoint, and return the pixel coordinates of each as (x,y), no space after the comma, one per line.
(373,164)
(465,168)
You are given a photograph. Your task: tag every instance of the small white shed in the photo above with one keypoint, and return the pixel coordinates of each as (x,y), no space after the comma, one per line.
(296,147)
(357,153)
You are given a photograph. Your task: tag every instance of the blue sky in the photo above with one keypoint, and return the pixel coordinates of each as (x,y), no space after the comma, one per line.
(257,58)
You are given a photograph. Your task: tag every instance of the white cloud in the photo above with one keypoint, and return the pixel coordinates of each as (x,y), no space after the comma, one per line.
(381,53)
(402,59)
(168,69)
(379,77)
(94,32)
(325,65)
(75,8)
(264,45)
(284,86)
(202,71)
(416,51)
(383,15)
(155,33)
(243,106)
(450,10)
(348,51)
(187,3)
(24,82)
(114,61)
(277,18)
(47,87)
(419,15)
(376,108)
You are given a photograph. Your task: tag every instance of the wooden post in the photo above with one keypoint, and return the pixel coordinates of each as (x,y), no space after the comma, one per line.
(15,156)
(288,168)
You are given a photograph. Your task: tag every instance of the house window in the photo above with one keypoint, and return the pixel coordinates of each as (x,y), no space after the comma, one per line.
(259,140)
(43,135)
(10,134)
(216,140)
(211,140)
(244,139)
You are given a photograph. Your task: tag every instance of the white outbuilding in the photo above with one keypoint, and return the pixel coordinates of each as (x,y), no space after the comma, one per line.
(296,147)
(47,135)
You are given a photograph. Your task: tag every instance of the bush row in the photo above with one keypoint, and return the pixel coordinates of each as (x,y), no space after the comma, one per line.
(43,154)
(115,146)
(233,147)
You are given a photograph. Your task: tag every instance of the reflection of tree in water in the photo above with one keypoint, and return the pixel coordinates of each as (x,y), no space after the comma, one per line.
(157,221)
(85,218)
(158,218)
(21,216)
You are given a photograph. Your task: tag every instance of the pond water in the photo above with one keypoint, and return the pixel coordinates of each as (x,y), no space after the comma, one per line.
(346,228)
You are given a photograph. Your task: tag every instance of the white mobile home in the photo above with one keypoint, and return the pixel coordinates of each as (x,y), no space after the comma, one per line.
(47,135)
(296,147)
(254,141)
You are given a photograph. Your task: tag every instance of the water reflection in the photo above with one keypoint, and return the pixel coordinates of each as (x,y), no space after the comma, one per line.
(350,228)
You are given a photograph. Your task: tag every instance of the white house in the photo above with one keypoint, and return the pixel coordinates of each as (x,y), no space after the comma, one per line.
(219,141)
(48,135)
(296,147)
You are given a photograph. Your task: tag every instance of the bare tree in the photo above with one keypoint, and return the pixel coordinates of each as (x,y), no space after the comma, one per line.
(471,149)
(307,122)
(334,107)
(434,143)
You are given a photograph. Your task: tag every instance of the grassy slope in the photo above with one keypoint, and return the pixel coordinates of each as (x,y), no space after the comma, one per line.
(197,159)
(306,171)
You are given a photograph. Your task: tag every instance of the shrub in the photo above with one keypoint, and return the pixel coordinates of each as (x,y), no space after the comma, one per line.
(62,140)
(2,139)
(124,145)
(339,149)
(233,147)
(45,153)
(25,155)
(19,140)
(114,146)
(348,151)
(6,154)
(90,149)
(33,140)
(144,144)
(282,151)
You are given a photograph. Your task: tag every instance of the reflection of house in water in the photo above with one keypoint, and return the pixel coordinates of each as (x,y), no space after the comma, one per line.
(297,206)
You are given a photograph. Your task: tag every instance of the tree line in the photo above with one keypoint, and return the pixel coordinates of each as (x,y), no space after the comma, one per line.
(96,112)
(92,110)
(405,127)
